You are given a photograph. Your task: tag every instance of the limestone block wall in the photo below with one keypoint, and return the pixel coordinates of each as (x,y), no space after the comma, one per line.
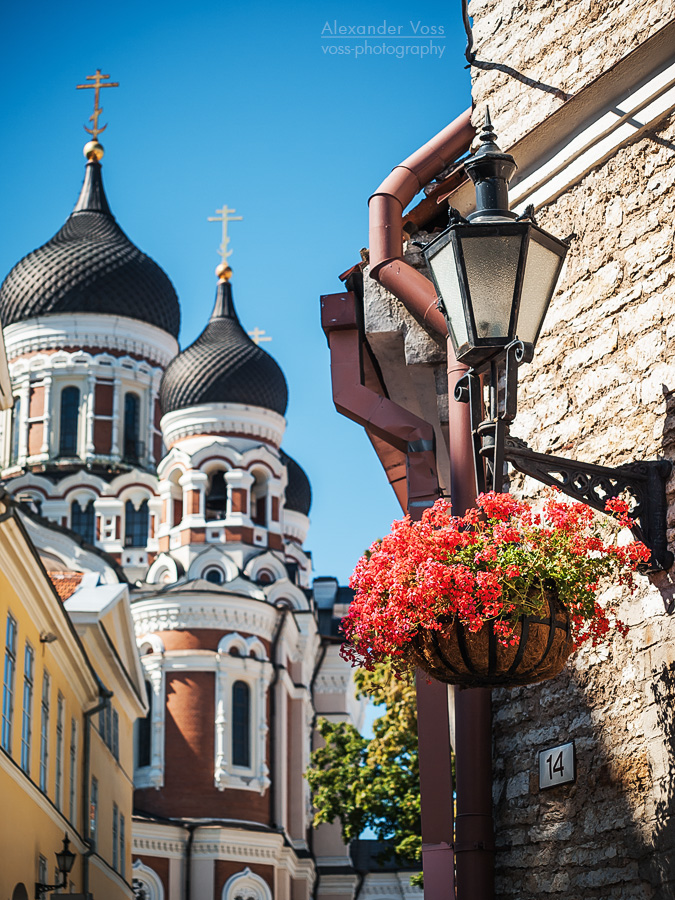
(564,44)
(601,388)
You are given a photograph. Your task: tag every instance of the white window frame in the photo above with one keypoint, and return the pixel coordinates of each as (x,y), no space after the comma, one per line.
(149,879)
(257,673)
(246,884)
(154,666)
(44,731)
(60,724)
(72,787)
(9,683)
(58,387)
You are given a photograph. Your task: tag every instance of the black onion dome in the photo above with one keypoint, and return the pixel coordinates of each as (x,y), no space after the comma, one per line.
(298,489)
(90,266)
(223,366)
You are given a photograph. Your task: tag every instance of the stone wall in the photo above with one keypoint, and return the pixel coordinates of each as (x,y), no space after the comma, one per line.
(602,389)
(560,43)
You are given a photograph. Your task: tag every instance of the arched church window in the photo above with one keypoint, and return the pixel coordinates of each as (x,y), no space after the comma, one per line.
(241,724)
(83,521)
(133,449)
(69,421)
(214,575)
(246,885)
(16,431)
(216,498)
(144,733)
(136,523)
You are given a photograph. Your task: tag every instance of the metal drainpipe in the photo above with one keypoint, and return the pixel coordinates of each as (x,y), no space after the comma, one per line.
(474,835)
(474,828)
(106,695)
(191,827)
(283,611)
(310,842)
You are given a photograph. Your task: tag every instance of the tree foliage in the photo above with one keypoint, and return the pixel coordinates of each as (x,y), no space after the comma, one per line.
(373,783)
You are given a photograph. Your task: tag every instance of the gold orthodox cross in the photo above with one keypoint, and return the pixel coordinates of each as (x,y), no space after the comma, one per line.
(97,85)
(225,217)
(257,336)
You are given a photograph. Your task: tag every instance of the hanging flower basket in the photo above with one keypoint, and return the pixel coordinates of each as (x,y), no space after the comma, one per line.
(498,597)
(456,655)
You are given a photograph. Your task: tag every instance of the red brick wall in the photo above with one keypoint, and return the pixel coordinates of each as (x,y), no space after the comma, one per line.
(177,511)
(160,865)
(238,500)
(199,639)
(103,398)
(190,759)
(203,639)
(102,435)
(35,432)
(37,402)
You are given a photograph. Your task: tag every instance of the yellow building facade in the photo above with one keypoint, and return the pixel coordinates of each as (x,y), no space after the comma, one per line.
(70,695)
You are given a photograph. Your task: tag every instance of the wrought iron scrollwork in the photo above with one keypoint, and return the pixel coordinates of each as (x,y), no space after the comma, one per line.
(645,482)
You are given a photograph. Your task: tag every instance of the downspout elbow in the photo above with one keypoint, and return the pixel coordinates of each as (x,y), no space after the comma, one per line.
(386,207)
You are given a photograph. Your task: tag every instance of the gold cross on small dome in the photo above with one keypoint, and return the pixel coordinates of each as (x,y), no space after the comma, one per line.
(97,85)
(223,215)
(257,336)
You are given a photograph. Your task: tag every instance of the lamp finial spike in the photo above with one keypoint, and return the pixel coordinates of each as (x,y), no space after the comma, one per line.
(488,135)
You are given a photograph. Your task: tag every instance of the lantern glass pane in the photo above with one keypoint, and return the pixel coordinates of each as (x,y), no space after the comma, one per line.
(491,264)
(444,267)
(541,274)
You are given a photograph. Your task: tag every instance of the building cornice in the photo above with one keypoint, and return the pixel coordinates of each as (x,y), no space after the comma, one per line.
(226,613)
(90,330)
(211,419)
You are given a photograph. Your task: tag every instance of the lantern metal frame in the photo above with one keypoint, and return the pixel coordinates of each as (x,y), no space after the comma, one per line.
(65,859)
(495,371)
(476,349)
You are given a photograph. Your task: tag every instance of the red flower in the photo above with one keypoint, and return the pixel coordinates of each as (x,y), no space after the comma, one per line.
(483,566)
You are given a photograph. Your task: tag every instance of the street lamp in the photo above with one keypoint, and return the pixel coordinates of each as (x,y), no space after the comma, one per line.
(495,274)
(64,863)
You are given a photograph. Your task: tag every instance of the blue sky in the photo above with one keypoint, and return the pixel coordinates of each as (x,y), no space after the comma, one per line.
(244,104)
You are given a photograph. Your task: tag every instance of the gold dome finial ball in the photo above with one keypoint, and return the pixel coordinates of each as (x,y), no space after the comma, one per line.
(93,150)
(223,271)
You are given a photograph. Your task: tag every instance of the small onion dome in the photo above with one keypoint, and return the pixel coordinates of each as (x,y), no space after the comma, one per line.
(223,366)
(90,266)
(298,489)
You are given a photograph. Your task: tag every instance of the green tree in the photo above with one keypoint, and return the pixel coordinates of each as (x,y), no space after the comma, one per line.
(373,783)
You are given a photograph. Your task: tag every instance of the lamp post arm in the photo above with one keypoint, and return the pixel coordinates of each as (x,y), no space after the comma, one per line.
(594,485)
(41,889)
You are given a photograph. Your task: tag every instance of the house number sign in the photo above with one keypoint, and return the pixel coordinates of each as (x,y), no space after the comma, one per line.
(557,765)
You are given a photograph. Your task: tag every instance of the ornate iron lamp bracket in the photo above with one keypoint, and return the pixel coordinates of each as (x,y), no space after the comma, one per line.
(594,485)
(41,889)
(588,483)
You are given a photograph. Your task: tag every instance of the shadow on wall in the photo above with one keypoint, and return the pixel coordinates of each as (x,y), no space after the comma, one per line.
(666,580)
(611,835)
(658,867)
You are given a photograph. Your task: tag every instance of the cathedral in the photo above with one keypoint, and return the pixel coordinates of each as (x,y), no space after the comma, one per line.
(136,465)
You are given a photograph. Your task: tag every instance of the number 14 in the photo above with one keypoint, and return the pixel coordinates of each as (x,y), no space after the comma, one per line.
(556,766)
